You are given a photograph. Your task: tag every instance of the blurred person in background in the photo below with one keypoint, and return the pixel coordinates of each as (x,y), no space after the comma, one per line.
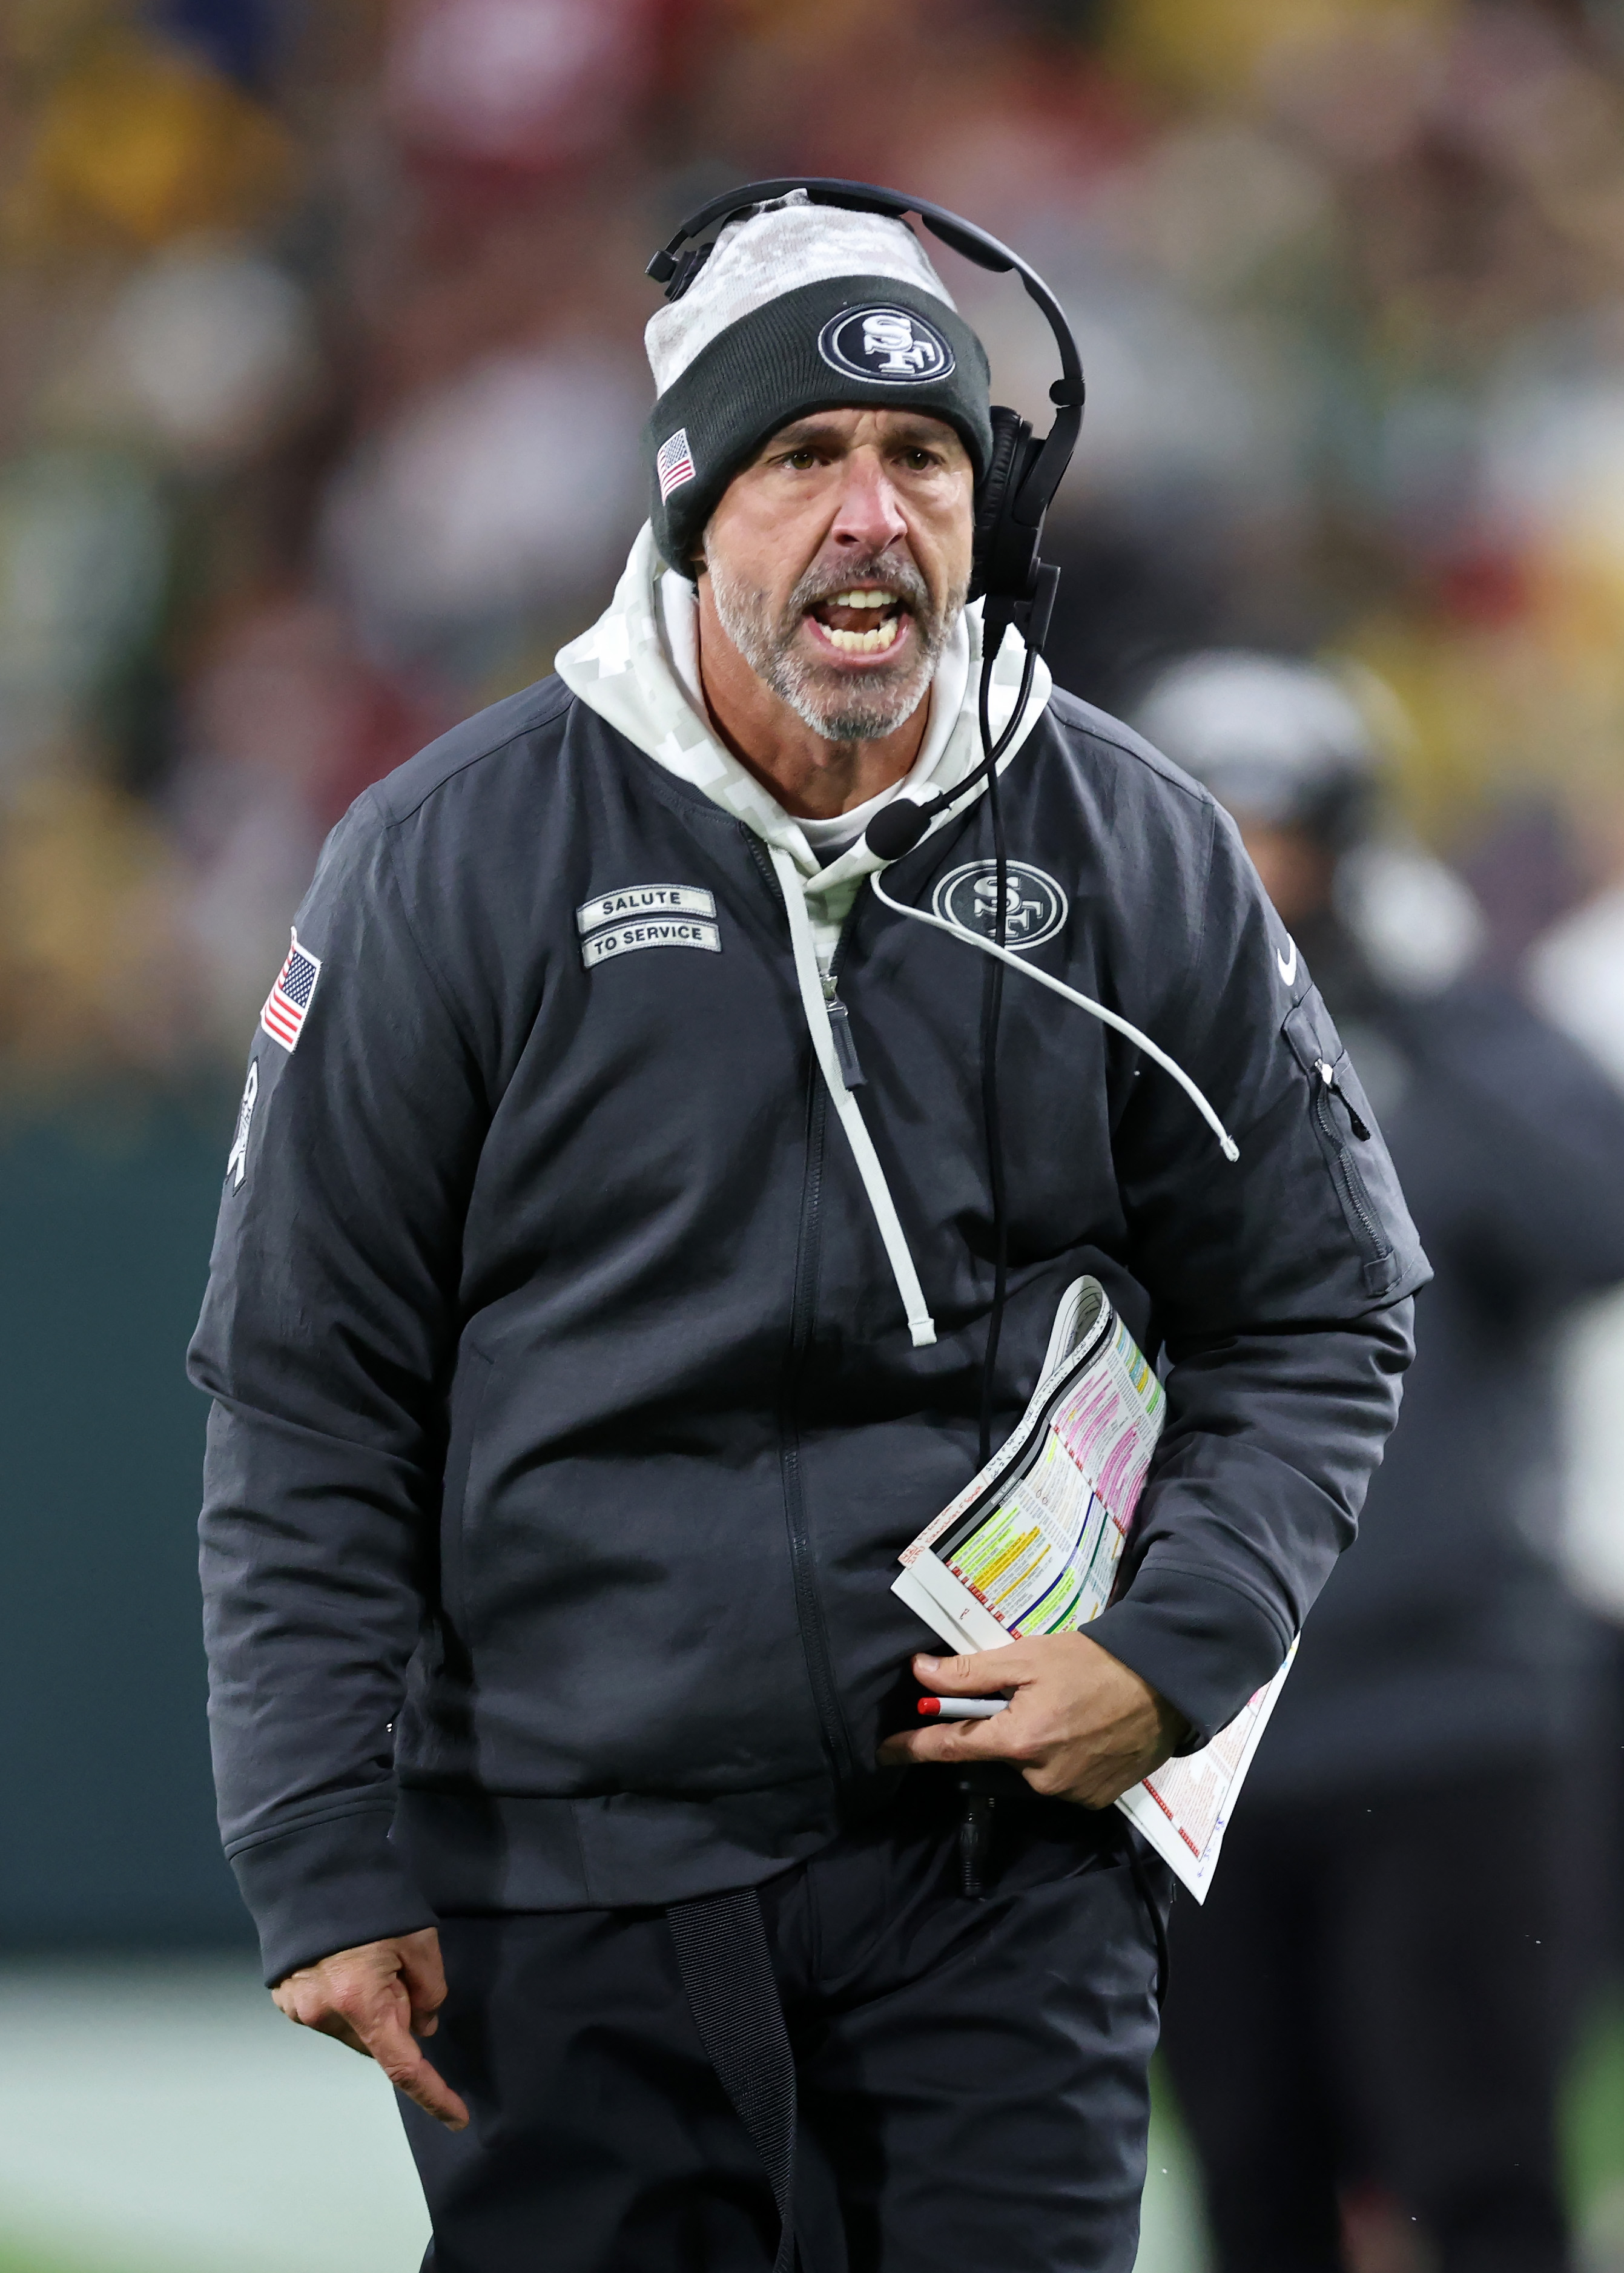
(1373,2006)
(1576,974)
(576,1383)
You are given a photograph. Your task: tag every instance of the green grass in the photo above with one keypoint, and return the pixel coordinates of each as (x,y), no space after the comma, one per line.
(1593,2111)
(37,2254)
(28,2257)
(41,2257)
(1592,2124)
(29,2262)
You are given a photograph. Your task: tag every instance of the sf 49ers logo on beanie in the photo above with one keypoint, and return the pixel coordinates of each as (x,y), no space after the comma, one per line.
(887,344)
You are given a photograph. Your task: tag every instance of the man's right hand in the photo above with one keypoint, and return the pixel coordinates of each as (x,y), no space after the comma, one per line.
(377,2000)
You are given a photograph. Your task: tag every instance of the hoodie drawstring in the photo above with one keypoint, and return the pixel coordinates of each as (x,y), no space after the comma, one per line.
(921,1326)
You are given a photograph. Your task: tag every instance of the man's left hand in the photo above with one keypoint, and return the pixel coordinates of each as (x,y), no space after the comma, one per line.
(1080,1724)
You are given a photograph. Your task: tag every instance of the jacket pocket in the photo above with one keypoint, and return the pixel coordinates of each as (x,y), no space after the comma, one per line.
(468,1390)
(1341,1123)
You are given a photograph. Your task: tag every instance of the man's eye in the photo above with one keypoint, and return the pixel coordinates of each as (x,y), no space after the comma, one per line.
(800,460)
(918,460)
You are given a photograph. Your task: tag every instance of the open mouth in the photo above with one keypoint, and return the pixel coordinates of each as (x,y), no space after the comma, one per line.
(868,619)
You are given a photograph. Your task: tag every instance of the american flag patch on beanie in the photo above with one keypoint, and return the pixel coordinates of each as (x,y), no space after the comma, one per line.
(674,462)
(287,1005)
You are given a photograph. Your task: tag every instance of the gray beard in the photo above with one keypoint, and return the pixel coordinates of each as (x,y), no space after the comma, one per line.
(815,692)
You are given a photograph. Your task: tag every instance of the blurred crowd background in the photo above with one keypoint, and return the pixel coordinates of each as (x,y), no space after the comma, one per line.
(320,380)
(320,383)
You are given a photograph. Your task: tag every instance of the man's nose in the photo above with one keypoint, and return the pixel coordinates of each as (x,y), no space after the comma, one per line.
(868,517)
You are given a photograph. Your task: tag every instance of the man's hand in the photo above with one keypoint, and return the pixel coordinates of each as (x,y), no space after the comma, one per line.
(376,1999)
(1080,1725)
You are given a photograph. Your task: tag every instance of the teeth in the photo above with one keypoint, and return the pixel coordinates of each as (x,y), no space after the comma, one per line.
(866,598)
(863,643)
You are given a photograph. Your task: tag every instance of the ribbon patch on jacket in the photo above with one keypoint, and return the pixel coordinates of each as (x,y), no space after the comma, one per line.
(647,915)
(236,1159)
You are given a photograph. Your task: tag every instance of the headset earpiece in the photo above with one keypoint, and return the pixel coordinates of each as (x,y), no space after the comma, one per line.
(1005,555)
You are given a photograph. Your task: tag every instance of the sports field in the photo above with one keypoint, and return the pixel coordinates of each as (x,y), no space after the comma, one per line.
(162,2118)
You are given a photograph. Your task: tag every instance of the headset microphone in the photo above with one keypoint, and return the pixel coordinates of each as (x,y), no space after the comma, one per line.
(897,827)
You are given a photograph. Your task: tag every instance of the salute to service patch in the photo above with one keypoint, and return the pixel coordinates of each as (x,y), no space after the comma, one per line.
(644,900)
(287,1005)
(603,946)
(647,915)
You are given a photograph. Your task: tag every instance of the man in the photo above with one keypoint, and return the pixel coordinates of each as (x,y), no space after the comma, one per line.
(578,1380)
(1370,2010)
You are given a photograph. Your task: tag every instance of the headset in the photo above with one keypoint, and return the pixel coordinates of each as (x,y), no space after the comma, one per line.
(1007,572)
(1022,474)
(1016,493)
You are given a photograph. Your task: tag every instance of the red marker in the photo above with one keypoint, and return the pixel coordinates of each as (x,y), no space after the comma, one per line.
(961,1708)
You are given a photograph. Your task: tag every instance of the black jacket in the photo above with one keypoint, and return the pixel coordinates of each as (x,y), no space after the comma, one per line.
(1450,1642)
(566,1427)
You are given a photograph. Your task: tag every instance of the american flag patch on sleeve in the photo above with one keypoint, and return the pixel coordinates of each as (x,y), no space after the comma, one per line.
(674,462)
(288,1004)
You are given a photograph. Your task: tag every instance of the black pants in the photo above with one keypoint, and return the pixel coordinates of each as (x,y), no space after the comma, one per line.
(971,2073)
(1360,2004)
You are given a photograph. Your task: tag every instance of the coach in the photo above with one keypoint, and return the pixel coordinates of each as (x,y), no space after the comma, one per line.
(587,1336)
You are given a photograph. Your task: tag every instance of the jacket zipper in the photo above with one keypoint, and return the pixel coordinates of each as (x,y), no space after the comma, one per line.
(804,1560)
(840,1026)
(1328,1081)
(1374,1241)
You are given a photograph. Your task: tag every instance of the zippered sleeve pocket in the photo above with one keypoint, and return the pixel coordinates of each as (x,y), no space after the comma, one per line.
(1350,1143)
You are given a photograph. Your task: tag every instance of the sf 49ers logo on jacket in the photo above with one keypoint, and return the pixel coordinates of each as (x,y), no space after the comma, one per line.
(1034,906)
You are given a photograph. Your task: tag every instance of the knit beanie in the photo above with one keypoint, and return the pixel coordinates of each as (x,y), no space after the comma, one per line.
(799,307)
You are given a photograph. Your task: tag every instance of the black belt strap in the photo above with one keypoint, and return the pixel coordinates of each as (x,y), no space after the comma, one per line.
(727,1972)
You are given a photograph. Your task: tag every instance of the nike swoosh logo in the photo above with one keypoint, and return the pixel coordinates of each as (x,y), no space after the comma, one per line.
(1288,969)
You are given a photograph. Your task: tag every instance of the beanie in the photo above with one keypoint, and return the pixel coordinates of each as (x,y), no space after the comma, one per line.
(799,307)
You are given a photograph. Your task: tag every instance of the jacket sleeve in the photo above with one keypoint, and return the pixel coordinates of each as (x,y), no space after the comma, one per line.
(326,1340)
(1281,1287)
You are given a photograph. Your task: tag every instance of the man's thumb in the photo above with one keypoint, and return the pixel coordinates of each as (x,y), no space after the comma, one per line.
(977,1676)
